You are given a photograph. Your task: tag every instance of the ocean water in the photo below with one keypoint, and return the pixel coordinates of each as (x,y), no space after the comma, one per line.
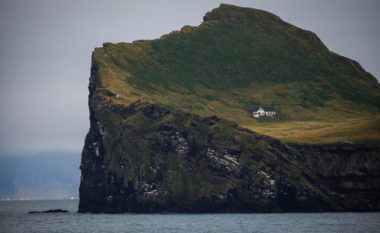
(14,217)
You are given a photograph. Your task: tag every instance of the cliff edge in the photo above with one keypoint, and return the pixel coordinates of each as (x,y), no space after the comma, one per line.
(159,140)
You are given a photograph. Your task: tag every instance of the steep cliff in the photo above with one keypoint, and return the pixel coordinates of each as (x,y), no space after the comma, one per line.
(146,158)
(160,141)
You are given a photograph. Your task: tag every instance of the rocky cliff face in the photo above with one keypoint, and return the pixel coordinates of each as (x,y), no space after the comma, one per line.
(348,174)
(145,154)
(145,158)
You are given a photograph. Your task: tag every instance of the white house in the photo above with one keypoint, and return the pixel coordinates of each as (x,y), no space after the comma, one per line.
(263,112)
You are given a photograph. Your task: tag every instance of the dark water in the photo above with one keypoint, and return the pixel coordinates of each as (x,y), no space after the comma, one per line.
(14,217)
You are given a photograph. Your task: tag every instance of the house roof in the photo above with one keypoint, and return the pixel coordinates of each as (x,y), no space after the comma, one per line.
(266,108)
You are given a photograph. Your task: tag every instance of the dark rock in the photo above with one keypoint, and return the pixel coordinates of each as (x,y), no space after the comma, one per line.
(154,163)
(142,157)
(49,211)
(154,111)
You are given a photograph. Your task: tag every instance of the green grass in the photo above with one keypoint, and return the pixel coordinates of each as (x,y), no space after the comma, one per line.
(356,130)
(239,58)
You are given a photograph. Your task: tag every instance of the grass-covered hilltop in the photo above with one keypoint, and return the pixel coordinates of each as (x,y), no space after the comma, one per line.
(172,127)
(239,58)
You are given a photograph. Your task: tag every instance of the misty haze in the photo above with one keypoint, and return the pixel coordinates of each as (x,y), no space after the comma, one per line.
(178,110)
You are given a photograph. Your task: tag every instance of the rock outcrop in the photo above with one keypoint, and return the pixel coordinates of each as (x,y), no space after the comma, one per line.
(146,158)
(53,211)
(144,154)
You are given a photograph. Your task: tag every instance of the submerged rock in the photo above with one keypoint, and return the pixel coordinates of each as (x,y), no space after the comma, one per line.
(49,211)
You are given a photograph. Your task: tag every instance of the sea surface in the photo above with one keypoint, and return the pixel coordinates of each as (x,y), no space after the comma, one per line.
(14,217)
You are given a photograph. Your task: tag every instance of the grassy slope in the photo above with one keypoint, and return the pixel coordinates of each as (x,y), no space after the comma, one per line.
(239,58)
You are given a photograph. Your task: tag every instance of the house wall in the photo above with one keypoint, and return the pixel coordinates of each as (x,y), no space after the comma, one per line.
(262,112)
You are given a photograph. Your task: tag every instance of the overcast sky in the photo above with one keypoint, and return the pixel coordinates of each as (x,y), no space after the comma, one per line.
(46,45)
